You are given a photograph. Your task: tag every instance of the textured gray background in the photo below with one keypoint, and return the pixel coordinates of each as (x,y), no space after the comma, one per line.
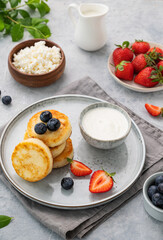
(126,20)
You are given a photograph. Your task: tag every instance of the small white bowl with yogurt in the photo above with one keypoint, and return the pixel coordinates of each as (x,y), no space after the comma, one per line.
(104,125)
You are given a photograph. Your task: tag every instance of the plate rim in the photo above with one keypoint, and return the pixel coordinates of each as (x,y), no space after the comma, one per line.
(61,206)
(134,88)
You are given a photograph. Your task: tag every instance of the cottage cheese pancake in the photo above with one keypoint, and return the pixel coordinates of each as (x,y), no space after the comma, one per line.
(61,160)
(51,138)
(54,150)
(32,160)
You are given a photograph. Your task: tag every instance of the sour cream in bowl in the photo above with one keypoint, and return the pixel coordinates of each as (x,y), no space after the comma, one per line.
(104,125)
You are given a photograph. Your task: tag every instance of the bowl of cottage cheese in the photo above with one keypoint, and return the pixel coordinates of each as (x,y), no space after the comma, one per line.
(36,62)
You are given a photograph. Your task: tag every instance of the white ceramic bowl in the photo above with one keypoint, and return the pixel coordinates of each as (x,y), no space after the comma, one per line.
(98,143)
(152,210)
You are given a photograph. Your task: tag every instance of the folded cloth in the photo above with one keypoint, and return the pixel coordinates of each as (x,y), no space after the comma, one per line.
(68,223)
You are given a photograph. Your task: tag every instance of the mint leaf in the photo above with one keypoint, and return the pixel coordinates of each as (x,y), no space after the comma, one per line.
(43,8)
(39,31)
(7,28)
(2,25)
(32,3)
(4,220)
(2,4)
(23,13)
(13,3)
(36,21)
(17,32)
(35,33)
(25,21)
(13,14)
(44,30)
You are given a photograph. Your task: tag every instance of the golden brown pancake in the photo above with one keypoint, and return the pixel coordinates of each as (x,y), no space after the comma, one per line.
(51,138)
(61,160)
(32,160)
(55,150)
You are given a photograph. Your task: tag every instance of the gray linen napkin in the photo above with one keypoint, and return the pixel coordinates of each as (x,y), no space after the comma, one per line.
(69,224)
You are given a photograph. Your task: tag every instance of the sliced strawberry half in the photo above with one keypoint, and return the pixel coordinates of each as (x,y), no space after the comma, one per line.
(154,110)
(101,181)
(79,169)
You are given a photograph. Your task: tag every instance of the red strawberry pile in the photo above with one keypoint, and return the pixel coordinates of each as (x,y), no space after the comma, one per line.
(139,62)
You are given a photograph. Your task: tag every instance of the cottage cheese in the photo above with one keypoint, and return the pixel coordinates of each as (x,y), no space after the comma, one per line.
(37,59)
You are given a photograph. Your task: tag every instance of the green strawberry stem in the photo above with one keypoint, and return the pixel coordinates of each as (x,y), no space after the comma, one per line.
(120,65)
(162,112)
(110,174)
(125,44)
(156,75)
(69,160)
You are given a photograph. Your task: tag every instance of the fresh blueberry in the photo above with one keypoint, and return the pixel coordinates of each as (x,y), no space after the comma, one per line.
(152,190)
(159,180)
(40,128)
(53,124)
(160,187)
(157,199)
(6,100)
(67,183)
(45,116)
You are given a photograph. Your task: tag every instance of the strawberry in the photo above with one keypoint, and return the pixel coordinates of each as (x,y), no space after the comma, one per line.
(160,66)
(149,77)
(101,181)
(154,110)
(125,71)
(155,53)
(139,46)
(141,61)
(79,169)
(122,53)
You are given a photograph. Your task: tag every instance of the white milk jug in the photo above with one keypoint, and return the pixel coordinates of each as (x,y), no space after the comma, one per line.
(90,32)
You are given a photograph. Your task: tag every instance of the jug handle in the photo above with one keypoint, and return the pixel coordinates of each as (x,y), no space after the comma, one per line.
(70,7)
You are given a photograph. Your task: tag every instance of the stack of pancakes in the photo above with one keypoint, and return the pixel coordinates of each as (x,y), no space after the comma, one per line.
(34,158)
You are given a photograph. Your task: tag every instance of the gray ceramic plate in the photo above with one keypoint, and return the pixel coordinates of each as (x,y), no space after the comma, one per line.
(127,160)
(131,84)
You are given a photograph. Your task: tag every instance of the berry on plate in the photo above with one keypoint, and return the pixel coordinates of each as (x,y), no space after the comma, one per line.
(67,183)
(154,110)
(101,181)
(40,128)
(149,77)
(141,61)
(139,46)
(124,70)
(45,116)
(122,53)
(79,169)
(53,124)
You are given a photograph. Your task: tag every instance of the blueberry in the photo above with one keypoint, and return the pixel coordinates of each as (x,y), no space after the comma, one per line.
(159,180)
(157,199)
(6,100)
(40,128)
(152,190)
(53,124)
(160,187)
(45,116)
(67,183)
